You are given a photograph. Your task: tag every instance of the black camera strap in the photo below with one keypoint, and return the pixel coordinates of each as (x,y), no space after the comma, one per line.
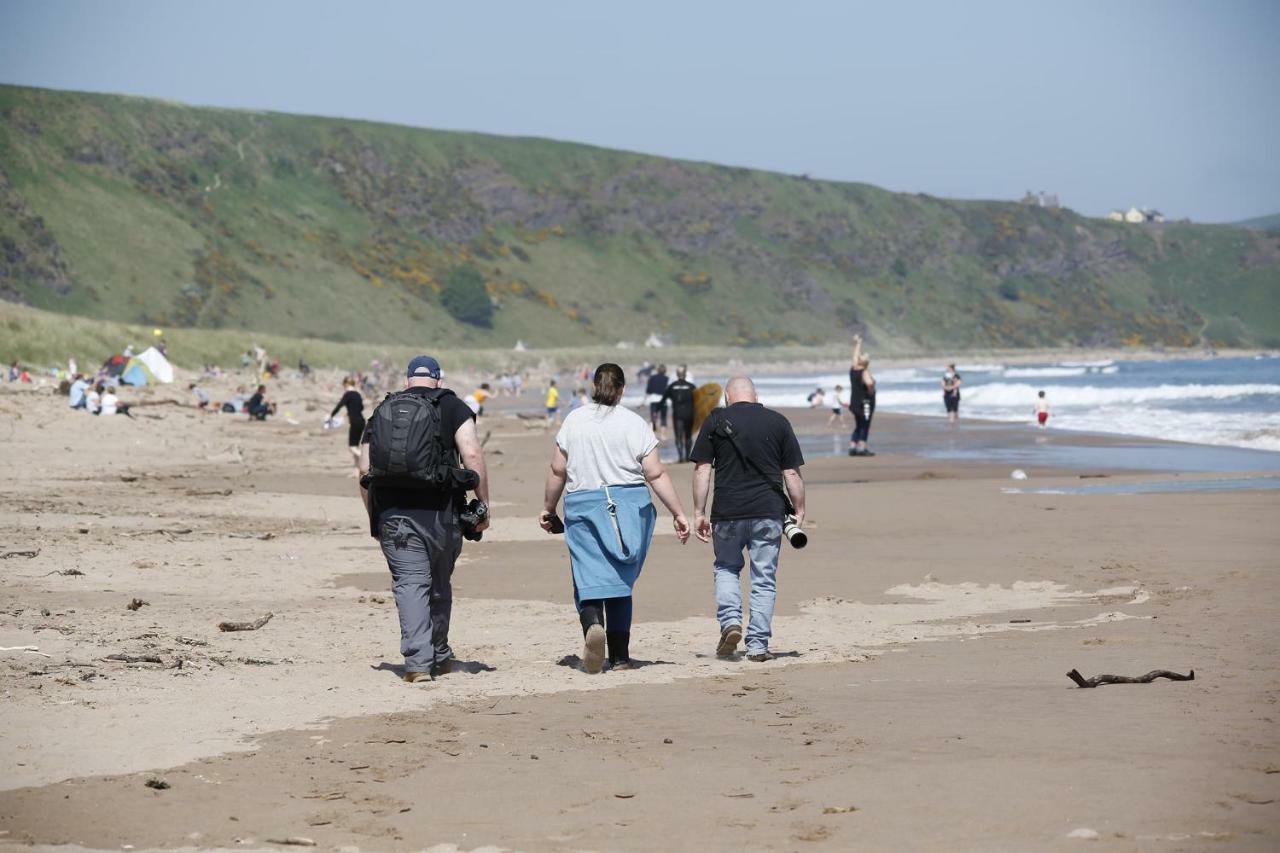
(725,429)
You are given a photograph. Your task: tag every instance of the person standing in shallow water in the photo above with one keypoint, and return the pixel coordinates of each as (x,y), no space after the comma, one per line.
(862,399)
(951,393)
(604,456)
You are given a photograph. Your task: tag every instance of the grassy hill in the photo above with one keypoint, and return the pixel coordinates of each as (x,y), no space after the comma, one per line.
(1265,223)
(141,211)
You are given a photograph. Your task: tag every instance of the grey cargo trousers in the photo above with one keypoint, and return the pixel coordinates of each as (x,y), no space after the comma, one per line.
(420,555)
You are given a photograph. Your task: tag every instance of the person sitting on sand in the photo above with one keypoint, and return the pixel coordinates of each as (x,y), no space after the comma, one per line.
(259,407)
(756,456)
(201,395)
(604,455)
(76,394)
(1042,410)
(111,404)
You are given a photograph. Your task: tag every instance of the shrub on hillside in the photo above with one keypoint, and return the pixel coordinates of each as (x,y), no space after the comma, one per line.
(465,298)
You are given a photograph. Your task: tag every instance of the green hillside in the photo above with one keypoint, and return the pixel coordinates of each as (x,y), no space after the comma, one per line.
(1266,223)
(142,211)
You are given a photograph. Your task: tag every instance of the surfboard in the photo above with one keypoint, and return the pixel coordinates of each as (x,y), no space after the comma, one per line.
(706,398)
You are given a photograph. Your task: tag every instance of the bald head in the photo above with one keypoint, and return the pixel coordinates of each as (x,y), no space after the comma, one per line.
(740,390)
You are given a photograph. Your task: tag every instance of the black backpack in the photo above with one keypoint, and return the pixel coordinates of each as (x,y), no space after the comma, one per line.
(406,442)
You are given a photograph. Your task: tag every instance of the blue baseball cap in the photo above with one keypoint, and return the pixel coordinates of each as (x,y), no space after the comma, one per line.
(424,367)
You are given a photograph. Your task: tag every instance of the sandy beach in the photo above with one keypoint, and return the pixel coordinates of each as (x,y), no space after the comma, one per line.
(919,701)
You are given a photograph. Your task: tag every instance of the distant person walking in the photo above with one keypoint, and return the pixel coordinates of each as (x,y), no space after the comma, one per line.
(604,455)
(1042,410)
(653,391)
(839,401)
(951,393)
(755,456)
(354,404)
(419,456)
(862,399)
(552,402)
(680,394)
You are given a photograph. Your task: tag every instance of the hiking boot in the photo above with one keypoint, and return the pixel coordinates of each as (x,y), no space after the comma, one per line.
(853,452)
(593,649)
(621,665)
(417,676)
(761,657)
(867,453)
(729,639)
(442,667)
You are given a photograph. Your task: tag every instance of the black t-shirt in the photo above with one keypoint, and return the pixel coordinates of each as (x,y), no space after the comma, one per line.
(767,439)
(420,504)
(355,406)
(858,392)
(680,393)
(657,384)
(255,401)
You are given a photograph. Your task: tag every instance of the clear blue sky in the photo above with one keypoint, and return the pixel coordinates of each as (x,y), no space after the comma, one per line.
(1172,104)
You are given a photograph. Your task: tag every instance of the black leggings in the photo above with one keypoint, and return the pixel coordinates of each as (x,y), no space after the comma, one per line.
(613,613)
(683,426)
(862,420)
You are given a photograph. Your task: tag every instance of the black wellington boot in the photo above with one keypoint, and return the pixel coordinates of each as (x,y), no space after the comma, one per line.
(619,649)
(593,636)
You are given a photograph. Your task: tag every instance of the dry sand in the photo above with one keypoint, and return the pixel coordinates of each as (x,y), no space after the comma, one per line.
(919,701)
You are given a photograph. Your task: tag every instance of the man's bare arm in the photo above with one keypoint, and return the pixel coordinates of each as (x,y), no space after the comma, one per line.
(795,490)
(364,469)
(701,487)
(468,444)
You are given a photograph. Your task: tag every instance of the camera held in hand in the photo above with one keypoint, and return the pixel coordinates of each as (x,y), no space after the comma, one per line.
(797,537)
(471,515)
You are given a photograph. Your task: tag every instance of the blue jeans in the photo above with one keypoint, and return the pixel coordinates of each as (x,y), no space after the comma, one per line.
(761,538)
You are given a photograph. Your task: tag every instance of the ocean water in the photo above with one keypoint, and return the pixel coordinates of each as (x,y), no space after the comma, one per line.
(1233,402)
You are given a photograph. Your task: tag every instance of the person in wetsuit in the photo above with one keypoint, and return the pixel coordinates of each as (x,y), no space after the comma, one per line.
(354,404)
(680,393)
(951,393)
(862,399)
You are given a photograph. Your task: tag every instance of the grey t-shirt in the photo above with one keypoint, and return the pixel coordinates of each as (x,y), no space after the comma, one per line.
(604,445)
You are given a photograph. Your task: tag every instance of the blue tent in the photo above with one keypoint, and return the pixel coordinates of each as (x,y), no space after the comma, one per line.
(134,374)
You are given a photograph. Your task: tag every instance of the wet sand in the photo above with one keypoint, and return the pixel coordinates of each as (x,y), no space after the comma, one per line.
(919,703)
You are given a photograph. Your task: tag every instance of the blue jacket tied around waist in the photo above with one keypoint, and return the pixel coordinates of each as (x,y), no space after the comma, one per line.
(608,531)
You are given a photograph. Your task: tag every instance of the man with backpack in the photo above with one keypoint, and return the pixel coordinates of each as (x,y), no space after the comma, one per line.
(757,462)
(419,455)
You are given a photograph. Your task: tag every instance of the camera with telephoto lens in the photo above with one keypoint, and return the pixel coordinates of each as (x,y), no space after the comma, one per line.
(797,537)
(471,515)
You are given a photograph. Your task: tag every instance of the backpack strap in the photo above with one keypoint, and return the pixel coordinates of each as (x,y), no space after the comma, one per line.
(725,429)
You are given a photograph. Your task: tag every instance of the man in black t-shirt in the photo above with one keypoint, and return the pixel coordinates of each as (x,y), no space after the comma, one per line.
(755,455)
(419,531)
(680,393)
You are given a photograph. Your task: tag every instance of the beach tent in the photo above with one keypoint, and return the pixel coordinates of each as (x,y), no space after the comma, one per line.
(134,374)
(159,367)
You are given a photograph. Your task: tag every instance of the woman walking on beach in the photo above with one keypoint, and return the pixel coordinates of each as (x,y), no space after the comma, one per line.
(604,455)
(354,404)
(862,399)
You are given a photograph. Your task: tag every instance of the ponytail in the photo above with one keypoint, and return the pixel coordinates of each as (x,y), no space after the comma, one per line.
(608,384)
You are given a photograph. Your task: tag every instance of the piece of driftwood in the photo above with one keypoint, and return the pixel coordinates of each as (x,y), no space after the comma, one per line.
(28,554)
(1151,676)
(245,626)
(135,658)
(293,841)
(137,604)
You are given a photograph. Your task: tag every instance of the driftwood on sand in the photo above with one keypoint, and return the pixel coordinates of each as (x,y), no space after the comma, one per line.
(1151,676)
(245,626)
